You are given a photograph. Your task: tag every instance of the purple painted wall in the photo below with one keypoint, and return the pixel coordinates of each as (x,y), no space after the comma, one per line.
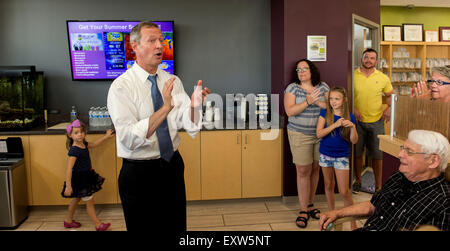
(291,22)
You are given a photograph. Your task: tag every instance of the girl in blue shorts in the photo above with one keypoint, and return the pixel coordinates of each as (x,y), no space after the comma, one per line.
(337,128)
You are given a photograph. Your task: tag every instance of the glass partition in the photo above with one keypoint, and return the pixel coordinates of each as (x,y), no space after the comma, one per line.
(413,113)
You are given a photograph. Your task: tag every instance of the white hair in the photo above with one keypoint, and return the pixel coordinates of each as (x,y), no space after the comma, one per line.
(443,70)
(432,143)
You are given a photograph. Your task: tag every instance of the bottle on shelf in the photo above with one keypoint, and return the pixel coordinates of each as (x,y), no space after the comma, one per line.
(98,116)
(101,117)
(104,116)
(73,114)
(95,116)
(108,118)
(208,112)
(91,116)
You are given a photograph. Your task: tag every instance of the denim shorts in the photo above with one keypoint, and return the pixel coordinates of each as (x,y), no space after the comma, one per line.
(340,163)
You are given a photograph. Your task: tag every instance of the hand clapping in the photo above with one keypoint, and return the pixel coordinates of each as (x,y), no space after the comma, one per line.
(347,123)
(199,94)
(420,90)
(167,92)
(313,97)
(344,122)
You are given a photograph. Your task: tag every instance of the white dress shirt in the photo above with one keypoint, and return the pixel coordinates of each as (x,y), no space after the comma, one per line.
(130,106)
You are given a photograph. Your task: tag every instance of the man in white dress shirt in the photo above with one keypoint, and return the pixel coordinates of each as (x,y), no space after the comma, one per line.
(151,185)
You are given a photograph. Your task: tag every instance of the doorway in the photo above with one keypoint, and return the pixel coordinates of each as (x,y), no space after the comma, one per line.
(365,34)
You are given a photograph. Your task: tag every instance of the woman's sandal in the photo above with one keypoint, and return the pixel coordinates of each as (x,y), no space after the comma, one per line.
(314,212)
(302,219)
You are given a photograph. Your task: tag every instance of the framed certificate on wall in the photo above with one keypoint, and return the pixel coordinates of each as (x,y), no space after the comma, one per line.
(412,32)
(431,36)
(392,33)
(444,34)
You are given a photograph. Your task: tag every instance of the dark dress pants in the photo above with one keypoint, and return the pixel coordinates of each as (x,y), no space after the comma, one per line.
(153,195)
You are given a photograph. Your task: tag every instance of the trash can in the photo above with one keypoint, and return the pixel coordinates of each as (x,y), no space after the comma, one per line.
(13,184)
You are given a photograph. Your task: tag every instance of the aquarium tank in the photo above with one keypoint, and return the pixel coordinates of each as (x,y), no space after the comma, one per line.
(21,98)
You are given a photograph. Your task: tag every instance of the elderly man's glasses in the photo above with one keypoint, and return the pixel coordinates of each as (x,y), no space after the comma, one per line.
(304,69)
(409,152)
(438,82)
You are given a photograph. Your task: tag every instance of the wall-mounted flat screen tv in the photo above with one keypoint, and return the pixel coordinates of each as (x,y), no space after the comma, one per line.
(101,50)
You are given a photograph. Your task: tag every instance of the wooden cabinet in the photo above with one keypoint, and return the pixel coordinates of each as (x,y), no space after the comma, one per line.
(408,62)
(190,151)
(48,165)
(221,164)
(48,156)
(261,163)
(225,164)
(103,160)
(241,164)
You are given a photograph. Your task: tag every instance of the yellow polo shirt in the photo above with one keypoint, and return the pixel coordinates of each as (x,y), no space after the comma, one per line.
(368,94)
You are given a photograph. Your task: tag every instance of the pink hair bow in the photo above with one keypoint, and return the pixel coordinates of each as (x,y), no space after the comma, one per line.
(75,123)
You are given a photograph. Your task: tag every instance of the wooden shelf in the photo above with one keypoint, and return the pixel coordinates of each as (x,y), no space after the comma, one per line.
(401,43)
(418,50)
(438,43)
(404,83)
(406,70)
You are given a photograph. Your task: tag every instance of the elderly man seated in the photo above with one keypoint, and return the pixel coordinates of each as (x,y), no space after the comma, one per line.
(418,194)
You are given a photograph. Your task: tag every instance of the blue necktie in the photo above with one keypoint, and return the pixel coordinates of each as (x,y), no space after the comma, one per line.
(162,132)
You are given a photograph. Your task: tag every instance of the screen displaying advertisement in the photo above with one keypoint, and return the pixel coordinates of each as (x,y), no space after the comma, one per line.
(101,50)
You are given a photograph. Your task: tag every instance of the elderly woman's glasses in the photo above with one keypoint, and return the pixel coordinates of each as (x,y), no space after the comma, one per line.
(409,152)
(438,82)
(304,69)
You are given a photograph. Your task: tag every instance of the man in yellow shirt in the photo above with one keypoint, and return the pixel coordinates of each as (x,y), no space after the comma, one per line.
(369,86)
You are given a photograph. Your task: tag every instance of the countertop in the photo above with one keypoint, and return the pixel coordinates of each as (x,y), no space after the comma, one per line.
(391,145)
(207,126)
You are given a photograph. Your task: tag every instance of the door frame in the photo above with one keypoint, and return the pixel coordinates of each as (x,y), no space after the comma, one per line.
(375,40)
(375,45)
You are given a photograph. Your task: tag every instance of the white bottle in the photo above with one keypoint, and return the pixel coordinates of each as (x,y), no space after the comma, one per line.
(108,118)
(102,116)
(105,116)
(217,115)
(73,114)
(208,112)
(91,116)
(95,117)
(243,109)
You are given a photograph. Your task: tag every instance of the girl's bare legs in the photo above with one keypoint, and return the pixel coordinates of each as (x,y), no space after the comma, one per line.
(328,178)
(342,177)
(72,206)
(303,187)
(90,208)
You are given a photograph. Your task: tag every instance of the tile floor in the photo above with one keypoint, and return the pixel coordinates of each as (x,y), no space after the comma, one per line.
(262,214)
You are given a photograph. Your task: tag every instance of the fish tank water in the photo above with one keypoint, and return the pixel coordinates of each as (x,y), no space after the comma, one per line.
(21,98)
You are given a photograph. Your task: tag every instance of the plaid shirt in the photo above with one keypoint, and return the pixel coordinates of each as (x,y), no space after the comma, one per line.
(406,205)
